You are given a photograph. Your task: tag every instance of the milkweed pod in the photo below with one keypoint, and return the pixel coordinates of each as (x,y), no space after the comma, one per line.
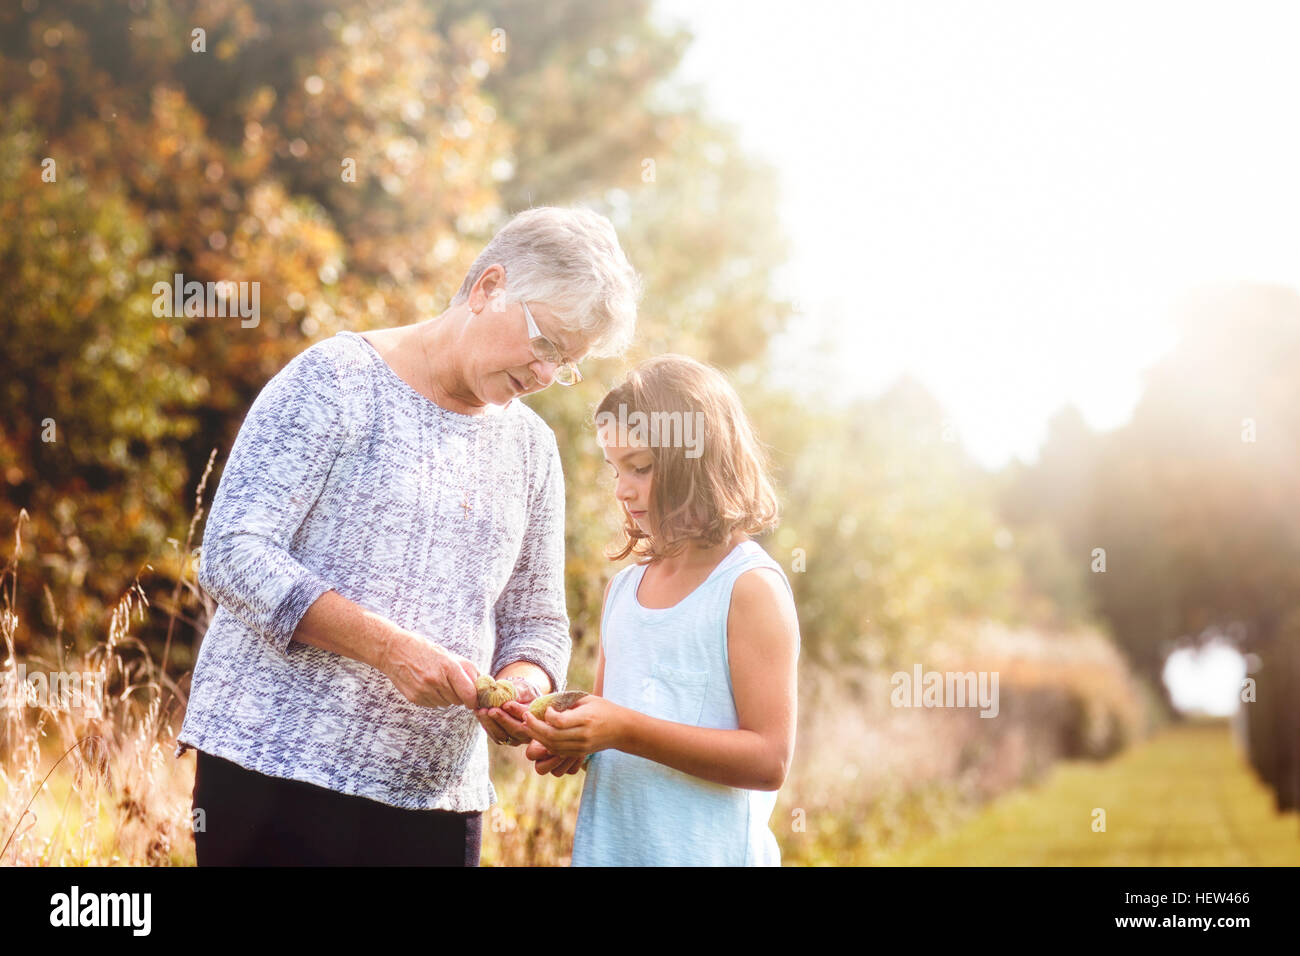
(561,701)
(493,693)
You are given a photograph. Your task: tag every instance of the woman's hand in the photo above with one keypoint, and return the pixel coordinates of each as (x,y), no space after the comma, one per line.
(546,762)
(503,727)
(428,674)
(592,724)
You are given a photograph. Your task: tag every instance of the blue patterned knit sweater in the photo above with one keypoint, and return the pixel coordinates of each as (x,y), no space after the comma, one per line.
(343,477)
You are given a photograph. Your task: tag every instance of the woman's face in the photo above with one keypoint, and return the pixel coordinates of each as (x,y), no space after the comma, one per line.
(504,366)
(633,467)
(509,367)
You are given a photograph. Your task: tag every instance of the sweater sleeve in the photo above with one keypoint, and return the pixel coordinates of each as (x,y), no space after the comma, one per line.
(276,470)
(531,617)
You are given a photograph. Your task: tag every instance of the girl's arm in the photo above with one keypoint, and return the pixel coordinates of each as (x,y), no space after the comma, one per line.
(763,644)
(599,687)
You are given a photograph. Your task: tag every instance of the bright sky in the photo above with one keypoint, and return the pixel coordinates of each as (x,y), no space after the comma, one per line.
(1208,681)
(1008,199)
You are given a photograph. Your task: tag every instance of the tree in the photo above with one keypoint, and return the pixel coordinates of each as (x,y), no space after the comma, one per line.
(348,158)
(1195,504)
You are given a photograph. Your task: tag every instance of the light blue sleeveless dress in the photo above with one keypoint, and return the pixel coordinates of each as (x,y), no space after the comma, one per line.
(672,663)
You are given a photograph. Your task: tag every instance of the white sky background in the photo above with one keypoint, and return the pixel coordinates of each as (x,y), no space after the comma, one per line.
(1007,199)
(1206,681)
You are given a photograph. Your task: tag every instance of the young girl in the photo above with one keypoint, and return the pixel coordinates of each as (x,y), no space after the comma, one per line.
(691,728)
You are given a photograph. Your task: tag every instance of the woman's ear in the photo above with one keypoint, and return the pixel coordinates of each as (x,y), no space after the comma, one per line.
(490,284)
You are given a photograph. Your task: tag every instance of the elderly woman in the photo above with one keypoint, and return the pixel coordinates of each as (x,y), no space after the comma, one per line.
(388,527)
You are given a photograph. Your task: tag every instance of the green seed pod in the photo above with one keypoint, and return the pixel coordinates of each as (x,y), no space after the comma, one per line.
(561,701)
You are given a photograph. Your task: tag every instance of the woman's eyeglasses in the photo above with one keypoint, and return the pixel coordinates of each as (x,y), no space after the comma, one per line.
(566,373)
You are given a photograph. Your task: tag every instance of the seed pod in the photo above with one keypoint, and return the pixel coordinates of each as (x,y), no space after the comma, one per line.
(483,684)
(493,693)
(561,701)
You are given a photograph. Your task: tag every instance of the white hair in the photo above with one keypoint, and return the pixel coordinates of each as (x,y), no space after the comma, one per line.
(569,260)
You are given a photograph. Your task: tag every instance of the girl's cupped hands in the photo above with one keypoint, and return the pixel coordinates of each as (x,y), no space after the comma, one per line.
(545,762)
(592,724)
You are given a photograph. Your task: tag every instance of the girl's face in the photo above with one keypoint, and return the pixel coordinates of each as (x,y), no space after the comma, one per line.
(633,466)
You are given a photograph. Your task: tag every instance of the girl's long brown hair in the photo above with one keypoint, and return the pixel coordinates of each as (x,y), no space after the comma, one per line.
(702,500)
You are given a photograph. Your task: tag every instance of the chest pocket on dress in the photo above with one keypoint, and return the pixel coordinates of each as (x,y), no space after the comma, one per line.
(672,693)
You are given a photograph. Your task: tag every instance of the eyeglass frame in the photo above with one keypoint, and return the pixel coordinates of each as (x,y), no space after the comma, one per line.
(535,336)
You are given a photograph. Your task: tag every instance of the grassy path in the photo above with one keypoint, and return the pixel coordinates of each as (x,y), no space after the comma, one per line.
(1186,797)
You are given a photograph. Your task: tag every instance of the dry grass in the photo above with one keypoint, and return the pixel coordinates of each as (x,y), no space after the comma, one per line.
(85,786)
(88,782)
(532,822)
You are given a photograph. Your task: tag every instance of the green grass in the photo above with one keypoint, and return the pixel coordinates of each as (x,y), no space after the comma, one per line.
(1186,797)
